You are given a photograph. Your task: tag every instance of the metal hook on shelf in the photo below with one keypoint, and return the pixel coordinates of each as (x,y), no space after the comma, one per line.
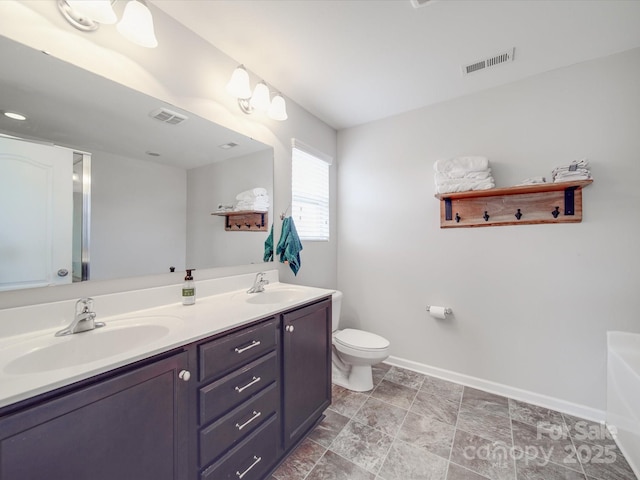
(284,214)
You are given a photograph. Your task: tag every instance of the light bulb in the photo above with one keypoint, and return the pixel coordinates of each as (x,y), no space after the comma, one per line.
(278,109)
(260,100)
(137,25)
(238,86)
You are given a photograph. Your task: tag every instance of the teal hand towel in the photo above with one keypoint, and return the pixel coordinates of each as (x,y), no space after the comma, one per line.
(289,246)
(268,247)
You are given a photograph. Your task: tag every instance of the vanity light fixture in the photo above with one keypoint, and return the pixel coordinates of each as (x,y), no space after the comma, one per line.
(260,99)
(136,24)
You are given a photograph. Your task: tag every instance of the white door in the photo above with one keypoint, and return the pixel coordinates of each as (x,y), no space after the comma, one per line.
(36,214)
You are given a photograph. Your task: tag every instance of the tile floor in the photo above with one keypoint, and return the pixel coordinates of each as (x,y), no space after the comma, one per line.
(414,427)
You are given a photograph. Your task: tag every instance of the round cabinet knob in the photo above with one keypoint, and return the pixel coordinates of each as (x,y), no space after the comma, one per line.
(184,375)
(289,328)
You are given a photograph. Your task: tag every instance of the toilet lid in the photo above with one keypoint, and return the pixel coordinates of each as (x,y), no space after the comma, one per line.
(350,337)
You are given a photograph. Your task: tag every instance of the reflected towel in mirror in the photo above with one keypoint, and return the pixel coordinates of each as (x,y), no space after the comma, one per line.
(268,246)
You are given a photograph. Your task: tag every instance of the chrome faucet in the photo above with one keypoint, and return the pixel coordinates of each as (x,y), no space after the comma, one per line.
(84,319)
(258,283)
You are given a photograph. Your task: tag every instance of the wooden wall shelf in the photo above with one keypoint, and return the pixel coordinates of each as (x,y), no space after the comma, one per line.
(527,204)
(244,221)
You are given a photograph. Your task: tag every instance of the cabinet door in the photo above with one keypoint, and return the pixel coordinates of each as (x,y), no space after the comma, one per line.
(306,368)
(132,426)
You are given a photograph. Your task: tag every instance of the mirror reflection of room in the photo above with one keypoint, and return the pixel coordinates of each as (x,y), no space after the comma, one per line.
(152,171)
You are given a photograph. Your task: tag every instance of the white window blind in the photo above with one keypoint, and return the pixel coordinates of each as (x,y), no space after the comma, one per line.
(310,192)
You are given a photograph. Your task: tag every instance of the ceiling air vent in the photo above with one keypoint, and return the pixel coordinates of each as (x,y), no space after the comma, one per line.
(489,62)
(167,116)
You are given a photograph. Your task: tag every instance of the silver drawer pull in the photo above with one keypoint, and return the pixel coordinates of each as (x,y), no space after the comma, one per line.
(254,380)
(255,415)
(256,460)
(254,343)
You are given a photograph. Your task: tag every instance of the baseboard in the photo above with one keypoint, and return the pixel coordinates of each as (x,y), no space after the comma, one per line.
(545,401)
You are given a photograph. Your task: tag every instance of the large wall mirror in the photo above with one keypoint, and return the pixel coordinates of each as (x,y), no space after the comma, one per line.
(156,173)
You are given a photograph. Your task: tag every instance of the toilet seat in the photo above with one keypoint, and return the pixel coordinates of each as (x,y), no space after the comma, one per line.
(361,340)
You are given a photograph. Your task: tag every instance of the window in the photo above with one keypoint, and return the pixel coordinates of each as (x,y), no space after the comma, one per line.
(310,192)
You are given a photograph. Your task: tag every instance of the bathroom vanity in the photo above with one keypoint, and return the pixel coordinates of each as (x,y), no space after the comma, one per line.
(228,405)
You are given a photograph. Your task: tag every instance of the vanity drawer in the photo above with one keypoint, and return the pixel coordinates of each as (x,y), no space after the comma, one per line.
(238,423)
(222,355)
(251,459)
(222,395)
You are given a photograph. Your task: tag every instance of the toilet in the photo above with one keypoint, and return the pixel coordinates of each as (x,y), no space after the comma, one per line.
(354,352)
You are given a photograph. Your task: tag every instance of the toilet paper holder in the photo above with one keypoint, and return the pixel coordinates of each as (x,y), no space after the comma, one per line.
(447,311)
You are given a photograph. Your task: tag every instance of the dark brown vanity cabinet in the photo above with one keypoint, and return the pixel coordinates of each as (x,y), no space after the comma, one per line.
(132,426)
(231,406)
(261,390)
(238,398)
(306,368)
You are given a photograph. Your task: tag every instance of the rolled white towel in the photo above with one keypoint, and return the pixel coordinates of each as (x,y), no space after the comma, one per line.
(459,166)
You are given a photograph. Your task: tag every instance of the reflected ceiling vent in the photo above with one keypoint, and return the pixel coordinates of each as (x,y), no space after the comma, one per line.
(168,116)
(489,62)
(422,3)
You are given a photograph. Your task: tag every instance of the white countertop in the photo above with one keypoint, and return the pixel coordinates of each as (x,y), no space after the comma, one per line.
(181,325)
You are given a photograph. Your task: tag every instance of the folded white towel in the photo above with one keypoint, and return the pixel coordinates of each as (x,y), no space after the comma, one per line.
(444,178)
(253,208)
(564,171)
(572,174)
(459,166)
(259,200)
(260,203)
(466,185)
(573,166)
(583,163)
(572,178)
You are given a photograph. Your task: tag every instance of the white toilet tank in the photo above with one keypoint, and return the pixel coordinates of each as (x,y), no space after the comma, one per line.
(336,305)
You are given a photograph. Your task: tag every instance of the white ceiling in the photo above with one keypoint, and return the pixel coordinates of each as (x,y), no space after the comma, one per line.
(354,61)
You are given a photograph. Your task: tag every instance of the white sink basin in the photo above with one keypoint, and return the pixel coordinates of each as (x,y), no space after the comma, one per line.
(87,347)
(275,296)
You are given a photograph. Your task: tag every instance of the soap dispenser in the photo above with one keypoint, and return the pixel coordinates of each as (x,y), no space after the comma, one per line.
(189,289)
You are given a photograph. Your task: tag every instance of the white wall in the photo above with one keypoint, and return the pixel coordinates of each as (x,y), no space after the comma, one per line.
(190,73)
(138,217)
(531,303)
(208,243)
